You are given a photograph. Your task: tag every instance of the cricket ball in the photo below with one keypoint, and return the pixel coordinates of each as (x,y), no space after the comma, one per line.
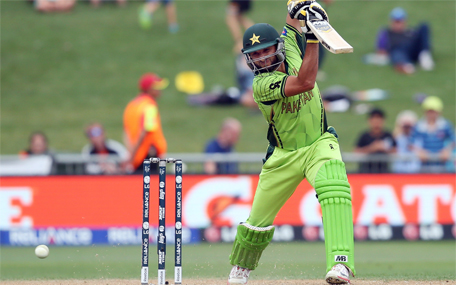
(42,251)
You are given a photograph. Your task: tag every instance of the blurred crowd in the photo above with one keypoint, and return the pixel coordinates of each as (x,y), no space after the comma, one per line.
(418,143)
(421,145)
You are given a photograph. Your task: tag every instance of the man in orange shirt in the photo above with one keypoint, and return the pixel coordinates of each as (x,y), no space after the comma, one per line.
(142,127)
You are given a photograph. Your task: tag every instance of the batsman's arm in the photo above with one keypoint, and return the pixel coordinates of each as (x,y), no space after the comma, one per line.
(293,22)
(305,81)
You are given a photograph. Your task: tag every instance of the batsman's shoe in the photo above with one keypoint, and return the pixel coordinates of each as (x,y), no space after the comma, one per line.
(238,275)
(339,274)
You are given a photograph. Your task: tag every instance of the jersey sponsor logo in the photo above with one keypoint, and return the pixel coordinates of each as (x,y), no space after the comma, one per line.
(331,146)
(284,32)
(296,105)
(273,86)
(341,258)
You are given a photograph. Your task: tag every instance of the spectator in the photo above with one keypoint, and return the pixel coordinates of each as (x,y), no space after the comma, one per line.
(147,11)
(97,3)
(402,133)
(143,132)
(433,135)
(405,46)
(237,20)
(38,145)
(104,148)
(223,143)
(375,141)
(50,6)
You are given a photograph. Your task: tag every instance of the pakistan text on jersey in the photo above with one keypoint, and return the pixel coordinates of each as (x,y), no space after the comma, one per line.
(296,104)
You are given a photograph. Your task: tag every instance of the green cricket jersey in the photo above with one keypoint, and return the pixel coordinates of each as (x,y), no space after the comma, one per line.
(296,121)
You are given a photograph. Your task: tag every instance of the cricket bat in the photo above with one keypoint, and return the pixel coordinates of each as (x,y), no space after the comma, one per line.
(329,37)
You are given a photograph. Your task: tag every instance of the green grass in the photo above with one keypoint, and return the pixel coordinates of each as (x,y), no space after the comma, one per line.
(61,72)
(399,260)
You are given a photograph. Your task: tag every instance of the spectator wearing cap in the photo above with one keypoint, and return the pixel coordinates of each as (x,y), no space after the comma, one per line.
(109,153)
(407,161)
(433,136)
(403,45)
(143,133)
(374,142)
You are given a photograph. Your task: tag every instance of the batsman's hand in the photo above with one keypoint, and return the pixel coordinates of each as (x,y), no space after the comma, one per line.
(296,6)
(312,13)
(316,12)
(304,18)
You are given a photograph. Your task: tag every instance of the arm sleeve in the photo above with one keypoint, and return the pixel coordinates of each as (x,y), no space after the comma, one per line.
(269,87)
(295,43)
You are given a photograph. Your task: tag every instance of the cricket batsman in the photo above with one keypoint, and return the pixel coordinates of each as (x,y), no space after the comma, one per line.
(301,145)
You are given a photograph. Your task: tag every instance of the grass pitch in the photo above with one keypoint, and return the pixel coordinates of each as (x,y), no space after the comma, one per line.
(385,261)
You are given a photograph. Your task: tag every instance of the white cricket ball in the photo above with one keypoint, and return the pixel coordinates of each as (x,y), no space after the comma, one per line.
(42,251)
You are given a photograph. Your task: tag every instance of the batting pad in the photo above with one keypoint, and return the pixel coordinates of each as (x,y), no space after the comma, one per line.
(333,190)
(249,245)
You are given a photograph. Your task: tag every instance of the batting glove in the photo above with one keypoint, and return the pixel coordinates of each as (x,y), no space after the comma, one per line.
(296,6)
(304,18)
(315,10)
(312,13)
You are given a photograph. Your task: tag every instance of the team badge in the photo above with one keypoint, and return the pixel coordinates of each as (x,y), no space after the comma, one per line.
(255,39)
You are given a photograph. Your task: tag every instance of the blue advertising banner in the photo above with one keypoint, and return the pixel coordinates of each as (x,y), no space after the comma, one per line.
(87,236)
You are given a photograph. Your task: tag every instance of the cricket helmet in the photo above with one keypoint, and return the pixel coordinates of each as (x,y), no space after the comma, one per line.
(260,36)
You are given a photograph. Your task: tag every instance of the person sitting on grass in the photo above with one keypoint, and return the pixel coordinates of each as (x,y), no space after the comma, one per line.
(405,46)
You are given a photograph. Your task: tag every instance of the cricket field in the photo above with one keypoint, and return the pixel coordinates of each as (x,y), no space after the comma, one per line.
(393,262)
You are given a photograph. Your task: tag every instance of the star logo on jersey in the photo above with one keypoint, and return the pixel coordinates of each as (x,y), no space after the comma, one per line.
(255,39)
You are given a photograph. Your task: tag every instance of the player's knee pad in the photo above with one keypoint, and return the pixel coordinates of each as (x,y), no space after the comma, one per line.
(249,245)
(333,190)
